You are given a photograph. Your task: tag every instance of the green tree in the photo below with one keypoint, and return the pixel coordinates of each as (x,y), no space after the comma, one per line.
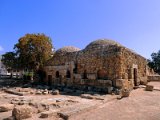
(33,50)
(10,61)
(154,63)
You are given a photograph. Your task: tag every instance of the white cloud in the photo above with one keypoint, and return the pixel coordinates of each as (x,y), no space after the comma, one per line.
(1,48)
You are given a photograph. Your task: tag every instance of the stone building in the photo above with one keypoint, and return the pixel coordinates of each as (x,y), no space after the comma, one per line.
(103,65)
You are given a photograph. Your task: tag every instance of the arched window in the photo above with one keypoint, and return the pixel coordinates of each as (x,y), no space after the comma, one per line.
(102,74)
(68,74)
(57,74)
(85,75)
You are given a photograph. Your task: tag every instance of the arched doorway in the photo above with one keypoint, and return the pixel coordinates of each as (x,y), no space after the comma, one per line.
(102,74)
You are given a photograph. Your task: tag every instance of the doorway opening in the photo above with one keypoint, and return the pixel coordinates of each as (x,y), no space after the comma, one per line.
(49,80)
(57,74)
(135,73)
(68,74)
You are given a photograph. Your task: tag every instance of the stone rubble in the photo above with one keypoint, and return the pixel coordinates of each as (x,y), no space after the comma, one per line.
(6,107)
(22,112)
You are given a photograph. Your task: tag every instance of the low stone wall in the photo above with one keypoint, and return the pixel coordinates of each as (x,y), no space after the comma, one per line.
(154,78)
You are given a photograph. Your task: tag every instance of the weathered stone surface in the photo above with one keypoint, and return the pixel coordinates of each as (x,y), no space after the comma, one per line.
(68,112)
(103,63)
(38,93)
(87,96)
(22,112)
(149,87)
(48,114)
(119,97)
(20,101)
(9,118)
(154,78)
(15,92)
(125,93)
(6,107)
(55,92)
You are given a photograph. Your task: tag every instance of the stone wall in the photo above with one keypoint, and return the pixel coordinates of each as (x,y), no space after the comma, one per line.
(101,64)
(133,68)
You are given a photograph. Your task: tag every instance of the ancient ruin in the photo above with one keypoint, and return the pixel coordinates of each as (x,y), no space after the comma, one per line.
(77,83)
(104,65)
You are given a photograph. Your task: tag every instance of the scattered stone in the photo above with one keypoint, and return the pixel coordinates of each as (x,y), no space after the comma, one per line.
(20,101)
(149,87)
(72,110)
(48,114)
(109,90)
(6,107)
(45,92)
(125,93)
(14,92)
(38,93)
(22,112)
(31,92)
(99,98)
(15,101)
(9,118)
(87,96)
(55,92)
(119,97)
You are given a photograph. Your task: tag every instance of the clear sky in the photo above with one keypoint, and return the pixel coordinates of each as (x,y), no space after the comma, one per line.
(133,23)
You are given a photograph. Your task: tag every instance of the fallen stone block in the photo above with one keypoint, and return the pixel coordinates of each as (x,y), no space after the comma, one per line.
(149,87)
(22,112)
(119,97)
(99,98)
(73,110)
(125,93)
(48,114)
(38,93)
(17,101)
(55,92)
(6,107)
(15,92)
(87,96)
(9,118)
(45,93)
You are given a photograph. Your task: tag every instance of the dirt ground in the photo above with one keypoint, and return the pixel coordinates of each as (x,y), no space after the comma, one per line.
(140,105)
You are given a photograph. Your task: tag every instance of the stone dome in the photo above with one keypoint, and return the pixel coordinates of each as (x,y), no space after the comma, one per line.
(67,49)
(102,43)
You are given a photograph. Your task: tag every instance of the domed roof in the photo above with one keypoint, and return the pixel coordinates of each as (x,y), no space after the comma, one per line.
(67,49)
(100,43)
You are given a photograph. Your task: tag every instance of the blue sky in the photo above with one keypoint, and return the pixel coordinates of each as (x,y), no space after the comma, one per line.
(133,23)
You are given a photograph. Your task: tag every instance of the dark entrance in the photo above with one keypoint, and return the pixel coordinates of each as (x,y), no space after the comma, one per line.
(68,74)
(135,76)
(49,80)
(85,74)
(57,74)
